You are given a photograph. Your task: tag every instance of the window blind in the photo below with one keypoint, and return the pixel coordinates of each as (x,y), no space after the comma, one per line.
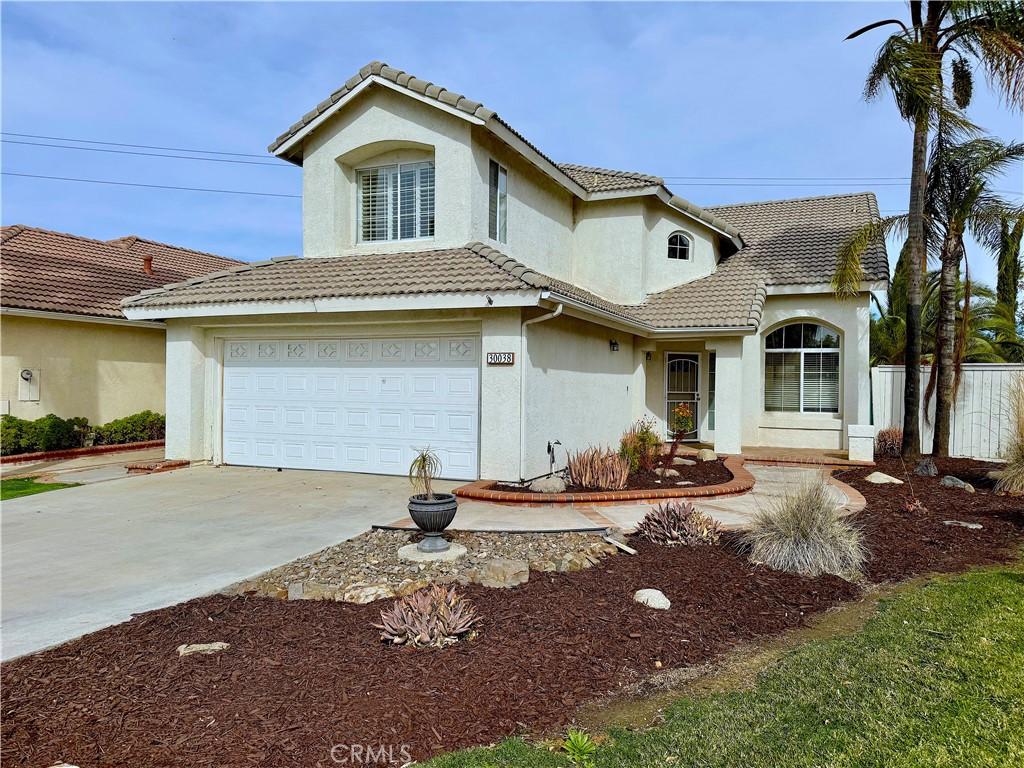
(821,382)
(396,202)
(782,381)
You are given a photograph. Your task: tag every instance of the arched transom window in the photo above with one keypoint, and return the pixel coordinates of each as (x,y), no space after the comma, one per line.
(679,246)
(801,369)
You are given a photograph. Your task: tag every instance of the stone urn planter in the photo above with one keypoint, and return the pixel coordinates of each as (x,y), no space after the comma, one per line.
(432,512)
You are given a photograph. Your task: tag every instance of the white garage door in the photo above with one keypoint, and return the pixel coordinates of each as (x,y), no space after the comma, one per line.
(353,405)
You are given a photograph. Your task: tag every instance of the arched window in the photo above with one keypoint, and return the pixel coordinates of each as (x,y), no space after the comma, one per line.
(801,369)
(679,246)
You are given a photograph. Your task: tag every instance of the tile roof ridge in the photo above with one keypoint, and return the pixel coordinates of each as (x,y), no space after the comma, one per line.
(131,240)
(508,264)
(245,266)
(11,231)
(43,230)
(639,175)
(835,196)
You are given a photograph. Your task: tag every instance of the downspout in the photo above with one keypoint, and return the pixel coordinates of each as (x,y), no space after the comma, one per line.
(522,384)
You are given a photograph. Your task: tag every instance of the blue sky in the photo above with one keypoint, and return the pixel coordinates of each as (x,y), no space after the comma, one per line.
(696,89)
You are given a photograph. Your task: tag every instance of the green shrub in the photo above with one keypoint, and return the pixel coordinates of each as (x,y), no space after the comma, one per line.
(13,434)
(641,446)
(145,425)
(804,533)
(49,433)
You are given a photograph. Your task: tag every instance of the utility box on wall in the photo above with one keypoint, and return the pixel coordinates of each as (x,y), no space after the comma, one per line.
(28,385)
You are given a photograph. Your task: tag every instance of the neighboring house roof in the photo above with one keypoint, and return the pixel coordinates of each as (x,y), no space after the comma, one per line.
(605,180)
(589,179)
(57,272)
(791,242)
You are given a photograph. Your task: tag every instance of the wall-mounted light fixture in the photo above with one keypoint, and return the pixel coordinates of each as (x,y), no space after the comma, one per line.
(613,345)
(650,356)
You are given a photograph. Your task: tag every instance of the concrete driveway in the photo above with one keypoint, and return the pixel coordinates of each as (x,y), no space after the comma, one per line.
(80,559)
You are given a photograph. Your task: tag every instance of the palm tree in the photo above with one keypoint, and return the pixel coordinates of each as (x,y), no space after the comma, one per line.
(960,199)
(910,63)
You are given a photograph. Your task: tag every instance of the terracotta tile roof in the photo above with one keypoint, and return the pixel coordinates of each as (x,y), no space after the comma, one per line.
(789,242)
(605,180)
(451,270)
(57,272)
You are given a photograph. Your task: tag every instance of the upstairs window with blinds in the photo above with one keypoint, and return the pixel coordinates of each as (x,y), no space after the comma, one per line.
(801,369)
(396,202)
(498,204)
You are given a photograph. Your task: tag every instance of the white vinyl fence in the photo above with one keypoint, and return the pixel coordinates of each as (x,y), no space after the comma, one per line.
(980,426)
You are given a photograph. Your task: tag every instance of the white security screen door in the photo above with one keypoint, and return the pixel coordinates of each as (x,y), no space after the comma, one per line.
(682,395)
(353,405)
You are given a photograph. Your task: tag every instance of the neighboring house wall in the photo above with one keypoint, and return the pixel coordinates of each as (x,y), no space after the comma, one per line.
(96,370)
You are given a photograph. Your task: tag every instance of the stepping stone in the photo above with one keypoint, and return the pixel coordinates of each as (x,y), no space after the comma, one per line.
(880,478)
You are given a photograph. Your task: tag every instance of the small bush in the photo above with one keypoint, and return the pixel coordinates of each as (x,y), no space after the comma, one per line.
(804,533)
(436,616)
(678,523)
(1010,479)
(137,428)
(889,442)
(641,446)
(599,469)
(48,433)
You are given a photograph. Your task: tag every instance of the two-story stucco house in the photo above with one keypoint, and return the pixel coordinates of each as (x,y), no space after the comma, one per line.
(461,290)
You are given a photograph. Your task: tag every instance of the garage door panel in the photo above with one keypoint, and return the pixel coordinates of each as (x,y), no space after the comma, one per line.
(352,404)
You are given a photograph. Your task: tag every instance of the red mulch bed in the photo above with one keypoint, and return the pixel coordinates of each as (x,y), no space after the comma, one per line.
(302,676)
(702,473)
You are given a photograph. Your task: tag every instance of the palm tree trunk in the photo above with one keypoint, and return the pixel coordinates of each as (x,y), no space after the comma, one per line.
(944,345)
(915,278)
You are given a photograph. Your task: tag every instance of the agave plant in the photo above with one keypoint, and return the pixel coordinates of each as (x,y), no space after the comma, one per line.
(601,469)
(433,617)
(678,523)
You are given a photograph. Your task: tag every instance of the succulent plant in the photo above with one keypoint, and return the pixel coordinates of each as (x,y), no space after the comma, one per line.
(600,469)
(433,617)
(678,523)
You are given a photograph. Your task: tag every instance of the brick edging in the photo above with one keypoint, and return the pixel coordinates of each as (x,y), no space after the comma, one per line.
(71,453)
(742,481)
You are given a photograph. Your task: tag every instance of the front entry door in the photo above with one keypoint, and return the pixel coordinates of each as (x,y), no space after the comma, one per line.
(682,395)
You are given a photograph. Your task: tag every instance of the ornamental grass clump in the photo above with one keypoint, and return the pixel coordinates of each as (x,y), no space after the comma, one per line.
(433,617)
(805,533)
(1010,479)
(640,445)
(678,523)
(889,442)
(599,469)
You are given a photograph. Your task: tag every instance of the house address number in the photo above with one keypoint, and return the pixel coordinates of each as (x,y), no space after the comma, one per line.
(501,358)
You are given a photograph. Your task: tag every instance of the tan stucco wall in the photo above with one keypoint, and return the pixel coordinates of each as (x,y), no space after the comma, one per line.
(95,370)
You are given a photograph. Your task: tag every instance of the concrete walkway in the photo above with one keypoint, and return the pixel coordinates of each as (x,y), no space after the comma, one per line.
(80,559)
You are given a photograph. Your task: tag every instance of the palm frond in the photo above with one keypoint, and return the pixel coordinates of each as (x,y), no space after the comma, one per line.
(849,272)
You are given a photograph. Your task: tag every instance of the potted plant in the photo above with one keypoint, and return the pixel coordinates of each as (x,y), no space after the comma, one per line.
(432,512)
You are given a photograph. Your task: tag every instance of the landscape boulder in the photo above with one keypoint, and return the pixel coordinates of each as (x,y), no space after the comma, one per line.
(706,454)
(549,484)
(955,482)
(926,467)
(679,461)
(880,478)
(652,598)
(501,572)
(666,472)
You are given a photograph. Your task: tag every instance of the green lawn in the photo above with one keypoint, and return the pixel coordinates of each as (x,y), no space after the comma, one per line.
(935,679)
(26,486)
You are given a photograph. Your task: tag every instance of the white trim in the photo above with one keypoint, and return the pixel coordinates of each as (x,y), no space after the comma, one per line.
(345,304)
(45,315)
(809,288)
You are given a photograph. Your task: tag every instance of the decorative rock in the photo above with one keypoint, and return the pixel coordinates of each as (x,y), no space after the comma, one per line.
(188,649)
(962,524)
(679,461)
(955,482)
(666,472)
(549,484)
(880,478)
(619,544)
(685,482)
(503,573)
(706,454)
(413,554)
(652,598)
(295,590)
(314,590)
(367,593)
(926,467)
